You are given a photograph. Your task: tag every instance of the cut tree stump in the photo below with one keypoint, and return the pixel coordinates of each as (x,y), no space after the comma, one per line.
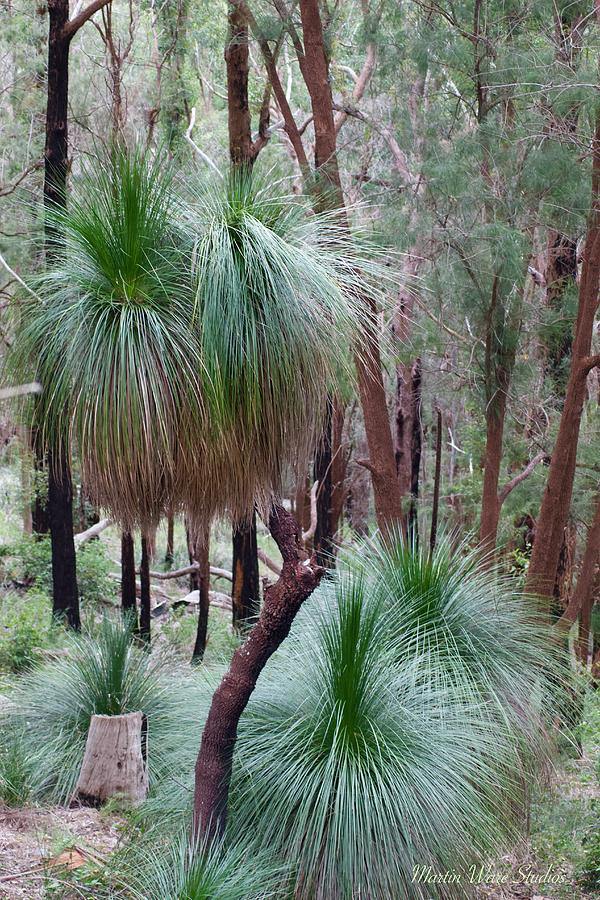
(113,764)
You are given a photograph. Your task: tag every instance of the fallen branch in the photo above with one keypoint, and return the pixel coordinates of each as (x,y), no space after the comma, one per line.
(221,573)
(84,536)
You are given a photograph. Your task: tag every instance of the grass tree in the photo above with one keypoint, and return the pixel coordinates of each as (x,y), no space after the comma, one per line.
(186,352)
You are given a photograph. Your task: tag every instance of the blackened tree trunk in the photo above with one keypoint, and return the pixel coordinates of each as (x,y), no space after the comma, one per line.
(128,579)
(170,549)
(202,580)
(65,594)
(435,510)
(245,590)
(323,538)
(65,597)
(299,577)
(145,607)
(556,500)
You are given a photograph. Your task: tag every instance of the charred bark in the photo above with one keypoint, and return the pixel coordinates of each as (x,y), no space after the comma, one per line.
(299,578)
(145,600)
(202,582)
(323,538)
(65,594)
(435,510)
(128,582)
(245,590)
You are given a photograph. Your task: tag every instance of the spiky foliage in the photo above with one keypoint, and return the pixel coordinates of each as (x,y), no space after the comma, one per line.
(279,296)
(377,741)
(189,372)
(182,870)
(110,337)
(104,673)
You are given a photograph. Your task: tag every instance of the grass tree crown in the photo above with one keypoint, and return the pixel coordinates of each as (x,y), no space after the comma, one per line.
(186,348)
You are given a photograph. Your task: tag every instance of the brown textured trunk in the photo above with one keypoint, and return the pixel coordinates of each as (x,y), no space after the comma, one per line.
(128,582)
(323,537)
(328,196)
(245,589)
(238,108)
(582,600)
(145,602)
(65,596)
(299,577)
(556,499)
(490,501)
(202,585)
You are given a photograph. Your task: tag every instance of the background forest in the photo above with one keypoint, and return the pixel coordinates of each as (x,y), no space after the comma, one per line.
(352,251)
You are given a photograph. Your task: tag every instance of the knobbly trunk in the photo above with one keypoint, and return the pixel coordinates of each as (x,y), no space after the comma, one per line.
(556,500)
(145,607)
(245,590)
(128,583)
(299,577)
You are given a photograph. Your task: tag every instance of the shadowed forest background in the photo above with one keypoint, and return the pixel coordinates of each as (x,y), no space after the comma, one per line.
(299,469)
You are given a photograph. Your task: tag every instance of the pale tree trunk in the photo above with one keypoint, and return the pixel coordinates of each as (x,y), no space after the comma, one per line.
(113,764)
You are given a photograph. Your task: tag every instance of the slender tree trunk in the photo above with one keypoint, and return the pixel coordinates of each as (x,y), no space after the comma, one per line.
(436,482)
(490,501)
(145,605)
(128,580)
(556,500)
(245,589)
(416,448)
(583,595)
(299,577)
(65,593)
(339,465)
(170,549)
(65,602)
(202,580)
(329,196)
(40,522)
(323,538)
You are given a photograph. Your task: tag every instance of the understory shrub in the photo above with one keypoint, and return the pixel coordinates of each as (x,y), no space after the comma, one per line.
(16,774)
(25,629)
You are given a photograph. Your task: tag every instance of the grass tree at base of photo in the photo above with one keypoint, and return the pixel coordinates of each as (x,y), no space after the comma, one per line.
(403,724)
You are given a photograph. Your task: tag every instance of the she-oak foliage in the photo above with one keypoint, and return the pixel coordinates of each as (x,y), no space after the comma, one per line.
(185,343)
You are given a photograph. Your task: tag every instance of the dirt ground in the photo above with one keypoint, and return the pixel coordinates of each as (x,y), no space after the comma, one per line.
(37,842)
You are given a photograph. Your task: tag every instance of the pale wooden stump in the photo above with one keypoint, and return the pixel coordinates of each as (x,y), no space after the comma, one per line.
(113,764)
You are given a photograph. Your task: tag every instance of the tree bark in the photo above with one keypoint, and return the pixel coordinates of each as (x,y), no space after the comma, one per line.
(436,482)
(556,500)
(490,501)
(245,589)
(238,107)
(202,582)
(299,577)
(128,581)
(65,593)
(329,196)
(583,595)
(323,537)
(145,602)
